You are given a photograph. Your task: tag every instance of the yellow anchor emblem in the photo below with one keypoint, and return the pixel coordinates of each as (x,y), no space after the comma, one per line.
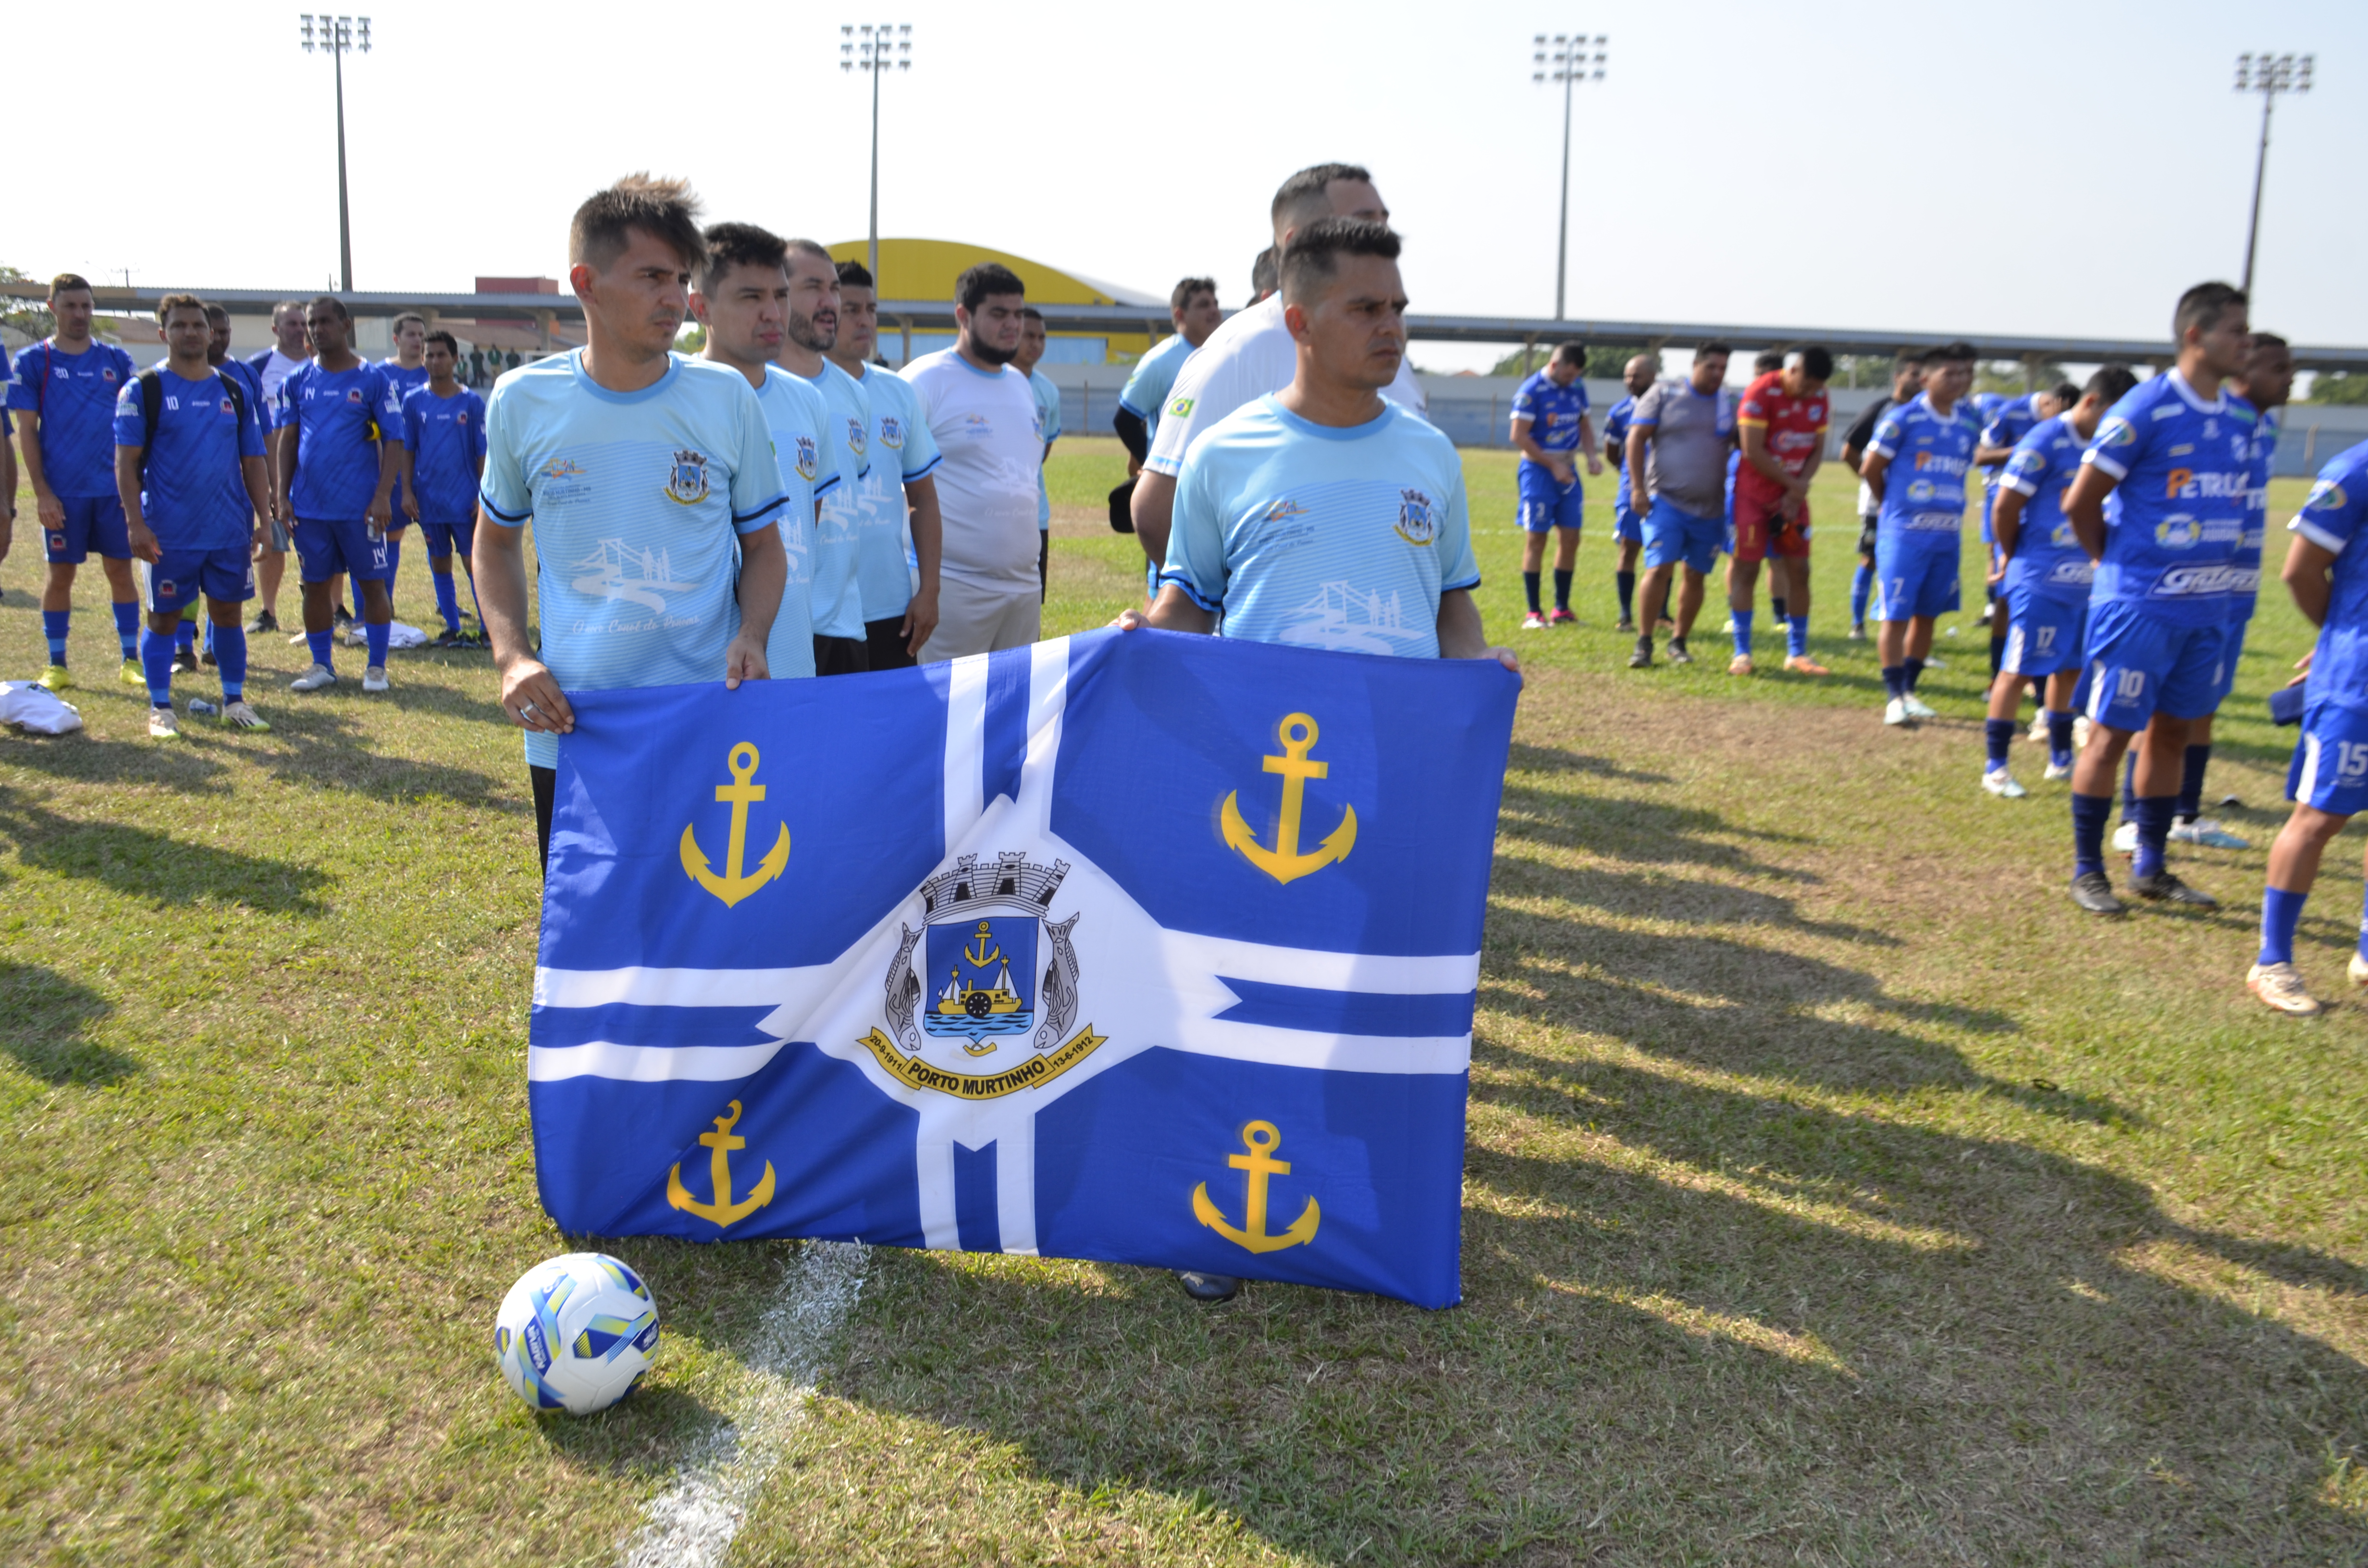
(1260,1139)
(732,887)
(986,939)
(1284,862)
(723,1211)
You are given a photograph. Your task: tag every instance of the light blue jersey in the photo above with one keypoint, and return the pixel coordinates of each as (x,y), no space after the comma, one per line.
(2047,559)
(638,500)
(847,441)
(1924,488)
(1146,392)
(2175,518)
(799,423)
(1321,537)
(2334,517)
(901,451)
(1048,430)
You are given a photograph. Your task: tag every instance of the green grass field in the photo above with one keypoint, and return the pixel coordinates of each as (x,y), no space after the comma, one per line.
(1837,1192)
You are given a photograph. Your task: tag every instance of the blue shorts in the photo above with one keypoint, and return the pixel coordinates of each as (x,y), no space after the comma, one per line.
(180,576)
(2330,762)
(2240,621)
(1672,533)
(2140,664)
(1912,581)
(1626,526)
(442,538)
(324,550)
(2043,634)
(93,522)
(1547,504)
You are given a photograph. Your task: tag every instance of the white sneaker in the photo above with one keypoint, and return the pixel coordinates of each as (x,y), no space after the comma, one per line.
(1895,711)
(241,715)
(1934,664)
(2280,986)
(374,678)
(2207,833)
(2125,838)
(2037,733)
(2058,770)
(2356,970)
(1918,708)
(2002,783)
(298,640)
(319,678)
(163,725)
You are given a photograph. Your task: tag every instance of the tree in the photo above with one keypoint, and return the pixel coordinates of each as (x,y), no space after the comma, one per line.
(1605,361)
(2340,386)
(31,317)
(2006,376)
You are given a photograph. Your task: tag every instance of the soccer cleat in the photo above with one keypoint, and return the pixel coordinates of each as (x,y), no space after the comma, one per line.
(340,617)
(241,715)
(318,679)
(163,725)
(1533,621)
(2280,986)
(1739,666)
(2356,970)
(2037,734)
(264,621)
(132,673)
(2093,891)
(1802,665)
(1560,615)
(374,678)
(207,658)
(1677,655)
(184,661)
(297,641)
(2164,887)
(2058,771)
(2207,833)
(2004,785)
(1627,626)
(1918,708)
(1642,659)
(1728,629)
(2125,838)
(1858,631)
(1932,664)
(1895,711)
(56,678)
(1208,1288)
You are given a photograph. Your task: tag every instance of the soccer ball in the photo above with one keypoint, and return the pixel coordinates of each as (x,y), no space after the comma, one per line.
(576,1332)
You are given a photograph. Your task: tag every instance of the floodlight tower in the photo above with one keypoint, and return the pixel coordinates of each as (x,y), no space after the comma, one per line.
(2268,74)
(1570,59)
(870,48)
(336,36)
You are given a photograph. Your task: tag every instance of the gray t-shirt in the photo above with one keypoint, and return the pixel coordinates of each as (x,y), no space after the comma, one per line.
(1685,458)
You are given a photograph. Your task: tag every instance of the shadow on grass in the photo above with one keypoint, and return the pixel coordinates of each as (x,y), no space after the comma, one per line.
(191,765)
(143,863)
(325,746)
(1526,758)
(45,1021)
(1672,899)
(1640,830)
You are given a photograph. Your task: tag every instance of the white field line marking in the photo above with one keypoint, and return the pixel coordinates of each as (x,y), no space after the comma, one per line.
(691,1523)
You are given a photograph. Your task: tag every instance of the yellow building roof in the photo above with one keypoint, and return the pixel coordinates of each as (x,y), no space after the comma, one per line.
(926,269)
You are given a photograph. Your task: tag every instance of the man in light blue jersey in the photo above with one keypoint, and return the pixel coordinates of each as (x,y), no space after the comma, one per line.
(443,465)
(897,533)
(1915,466)
(2328,779)
(839,644)
(63,399)
(2160,506)
(1627,524)
(340,432)
(2044,590)
(652,483)
(742,298)
(1550,428)
(1192,309)
(1048,430)
(181,429)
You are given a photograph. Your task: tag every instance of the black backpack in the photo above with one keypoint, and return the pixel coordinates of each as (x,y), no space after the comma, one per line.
(152,405)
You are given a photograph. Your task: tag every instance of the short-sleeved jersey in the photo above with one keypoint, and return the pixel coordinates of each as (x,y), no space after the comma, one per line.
(1792,427)
(1147,389)
(201,434)
(1931,453)
(340,417)
(901,451)
(984,426)
(1048,430)
(1321,537)
(799,422)
(2333,517)
(1693,437)
(638,499)
(1615,435)
(2247,590)
(2047,557)
(847,443)
(2006,426)
(1554,412)
(2183,466)
(446,435)
(75,396)
(405,379)
(258,403)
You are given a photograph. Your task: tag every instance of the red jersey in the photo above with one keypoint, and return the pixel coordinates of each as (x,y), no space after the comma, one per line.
(1790,427)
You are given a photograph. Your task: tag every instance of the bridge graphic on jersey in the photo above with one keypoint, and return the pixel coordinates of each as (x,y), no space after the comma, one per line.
(618,571)
(1345,616)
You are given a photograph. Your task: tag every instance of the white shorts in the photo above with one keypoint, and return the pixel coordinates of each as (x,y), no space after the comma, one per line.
(976,617)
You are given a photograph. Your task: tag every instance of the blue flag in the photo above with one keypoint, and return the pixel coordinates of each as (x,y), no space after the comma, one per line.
(1139,947)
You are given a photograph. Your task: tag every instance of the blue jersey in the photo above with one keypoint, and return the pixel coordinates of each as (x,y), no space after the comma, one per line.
(847,444)
(2333,517)
(201,434)
(1554,412)
(1048,430)
(1924,488)
(903,451)
(799,422)
(639,499)
(1615,435)
(2047,559)
(446,435)
(2247,590)
(258,405)
(340,417)
(404,380)
(1146,392)
(2175,518)
(75,396)
(2006,426)
(1327,538)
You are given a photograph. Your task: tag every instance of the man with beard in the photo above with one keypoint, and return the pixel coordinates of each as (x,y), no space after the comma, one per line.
(840,647)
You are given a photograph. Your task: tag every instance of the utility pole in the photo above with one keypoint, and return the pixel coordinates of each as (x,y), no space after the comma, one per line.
(1564,59)
(2268,74)
(869,48)
(336,36)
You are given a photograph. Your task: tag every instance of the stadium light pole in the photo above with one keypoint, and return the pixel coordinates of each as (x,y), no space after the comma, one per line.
(869,48)
(1570,59)
(2268,74)
(336,36)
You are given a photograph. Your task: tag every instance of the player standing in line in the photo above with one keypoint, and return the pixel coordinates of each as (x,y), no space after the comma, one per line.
(339,431)
(1192,308)
(1930,441)
(180,428)
(840,647)
(1907,379)
(1780,424)
(406,373)
(64,397)
(291,347)
(2045,588)
(218,333)
(2328,779)
(8,477)
(686,466)
(2175,458)
(1550,424)
(2007,420)
(1048,427)
(1627,524)
(897,502)
(443,464)
(1679,438)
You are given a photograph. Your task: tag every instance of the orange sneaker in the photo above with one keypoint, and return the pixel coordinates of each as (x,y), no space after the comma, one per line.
(1739,666)
(1802,665)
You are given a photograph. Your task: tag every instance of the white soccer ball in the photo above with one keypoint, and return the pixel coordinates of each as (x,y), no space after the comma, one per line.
(576,1332)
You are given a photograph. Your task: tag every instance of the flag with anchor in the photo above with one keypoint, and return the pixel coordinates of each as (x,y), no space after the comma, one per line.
(1137,946)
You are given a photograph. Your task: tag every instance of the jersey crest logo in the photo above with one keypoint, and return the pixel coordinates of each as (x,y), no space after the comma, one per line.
(808,460)
(687,480)
(1920,490)
(1179,408)
(855,442)
(892,433)
(462,416)
(105,375)
(2117,433)
(2178,533)
(2325,496)
(1416,524)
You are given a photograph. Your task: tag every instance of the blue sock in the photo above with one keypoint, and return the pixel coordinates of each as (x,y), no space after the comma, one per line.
(2089,816)
(1625,582)
(1562,589)
(448,603)
(1530,588)
(156,660)
(127,627)
(1797,636)
(1742,633)
(2129,785)
(2152,814)
(376,634)
(2191,782)
(323,644)
(2059,738)
(1999,734)
(2280,913)
(185,637)
(1911,670)
(1894,680)
(1860,582)
(53,627)
(230,660)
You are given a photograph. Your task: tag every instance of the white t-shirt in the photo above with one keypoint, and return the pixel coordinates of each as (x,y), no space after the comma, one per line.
(1251,355)
(276,370)
(984,424)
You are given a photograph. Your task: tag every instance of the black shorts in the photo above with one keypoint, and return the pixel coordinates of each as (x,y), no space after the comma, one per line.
(1866,536)
(545,782)
(885,639)
(841,656)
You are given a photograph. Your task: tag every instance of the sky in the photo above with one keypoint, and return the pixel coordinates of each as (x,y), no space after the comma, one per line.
(2012,168)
